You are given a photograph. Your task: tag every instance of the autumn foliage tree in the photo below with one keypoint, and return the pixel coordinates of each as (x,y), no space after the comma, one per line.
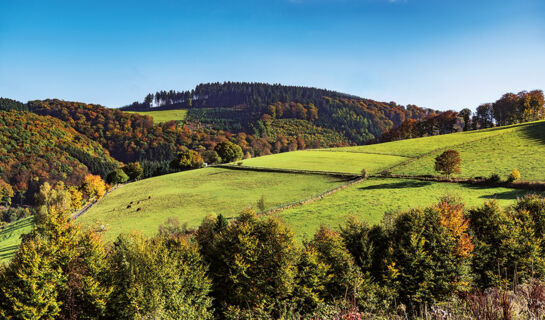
(94,186)
(448,163)
(6,193)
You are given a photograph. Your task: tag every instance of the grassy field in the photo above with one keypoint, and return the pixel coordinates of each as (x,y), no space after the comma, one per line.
(349,162)
(523,149)
(10,237)
(192,195)
(483,152)
(370,199)
(420,146)
(165,115)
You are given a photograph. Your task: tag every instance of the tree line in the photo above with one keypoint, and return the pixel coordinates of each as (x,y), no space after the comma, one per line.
(251,267)
(509,109)
(238,106)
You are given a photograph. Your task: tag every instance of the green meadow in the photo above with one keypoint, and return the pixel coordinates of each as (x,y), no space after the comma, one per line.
(10,237)
(370,199)
(523,149)
(484,152)
(191,195)
(317,160)
(164,115)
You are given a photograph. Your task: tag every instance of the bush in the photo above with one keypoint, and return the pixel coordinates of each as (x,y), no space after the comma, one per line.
(514,176)
(117,176)
(494,178)
(386,173)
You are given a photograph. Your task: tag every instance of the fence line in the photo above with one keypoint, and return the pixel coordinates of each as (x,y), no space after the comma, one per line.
(313,198)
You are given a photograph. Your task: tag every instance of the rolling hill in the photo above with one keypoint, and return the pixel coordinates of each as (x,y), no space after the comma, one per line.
(369,200)
(191,195)
(36,149)
(496,150)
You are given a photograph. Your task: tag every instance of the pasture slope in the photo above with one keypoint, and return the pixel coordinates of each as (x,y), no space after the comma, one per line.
(495,150)
(190,196)
(164,115)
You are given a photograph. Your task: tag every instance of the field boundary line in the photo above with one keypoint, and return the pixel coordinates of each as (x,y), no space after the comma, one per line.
(313,198)
(364,152)
(293,171)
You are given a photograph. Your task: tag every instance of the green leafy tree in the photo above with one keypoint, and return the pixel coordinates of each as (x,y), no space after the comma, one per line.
(211,157)
(448,163)
(508,243)
(466,116)
(117,176)
(158,278)
(187,159)
(58,272)
(228,151)
(252,262)
(133,170)
(429,262)
(344,277)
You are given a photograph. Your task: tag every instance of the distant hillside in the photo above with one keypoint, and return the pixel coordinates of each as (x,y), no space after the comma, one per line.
(134,137)
(35,149)
(249,107)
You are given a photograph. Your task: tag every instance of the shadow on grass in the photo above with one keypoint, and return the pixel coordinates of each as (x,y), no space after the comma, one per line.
(535,132)
(398,185)
(506,195)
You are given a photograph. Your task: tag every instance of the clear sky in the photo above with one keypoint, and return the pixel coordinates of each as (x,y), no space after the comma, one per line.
(434,53)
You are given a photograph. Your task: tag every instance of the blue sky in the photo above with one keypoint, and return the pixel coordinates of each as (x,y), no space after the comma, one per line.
(439,54)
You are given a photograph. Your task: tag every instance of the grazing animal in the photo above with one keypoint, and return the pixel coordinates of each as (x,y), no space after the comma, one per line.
(149,197)
(131,202)
(115,209)
(139,209)
(129,206)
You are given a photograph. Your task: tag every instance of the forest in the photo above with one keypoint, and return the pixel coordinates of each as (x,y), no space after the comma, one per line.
(36,149)
(237,106)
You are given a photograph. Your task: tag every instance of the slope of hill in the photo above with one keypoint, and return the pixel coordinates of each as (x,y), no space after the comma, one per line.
(35,149)
(495,150)
(192,195)
(239,106)
(371,199)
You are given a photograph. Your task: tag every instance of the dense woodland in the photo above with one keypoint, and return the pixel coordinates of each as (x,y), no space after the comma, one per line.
(36,149)
(442,257)
(237,106)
